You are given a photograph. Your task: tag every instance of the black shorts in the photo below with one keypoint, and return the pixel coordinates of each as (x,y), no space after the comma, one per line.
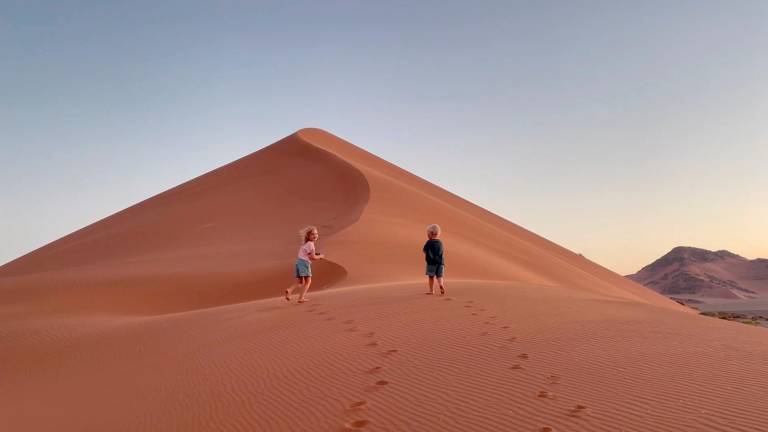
(435,270)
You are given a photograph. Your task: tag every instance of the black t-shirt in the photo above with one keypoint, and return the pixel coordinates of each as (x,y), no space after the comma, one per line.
(433,252)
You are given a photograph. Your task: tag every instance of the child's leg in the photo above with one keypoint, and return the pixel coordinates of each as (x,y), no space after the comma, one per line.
(441,284)
(307,282)
(289,290)
(431,285)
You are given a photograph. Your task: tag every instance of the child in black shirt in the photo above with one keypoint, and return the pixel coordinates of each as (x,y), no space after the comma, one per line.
(433,254)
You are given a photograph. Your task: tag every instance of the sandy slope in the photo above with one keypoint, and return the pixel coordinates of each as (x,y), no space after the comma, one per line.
(266,365)
(164,317)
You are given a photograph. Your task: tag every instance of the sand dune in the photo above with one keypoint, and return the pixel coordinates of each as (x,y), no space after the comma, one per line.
(167,316)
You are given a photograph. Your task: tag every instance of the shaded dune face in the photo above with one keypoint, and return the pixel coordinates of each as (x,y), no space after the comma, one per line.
(228,236)
(231,235)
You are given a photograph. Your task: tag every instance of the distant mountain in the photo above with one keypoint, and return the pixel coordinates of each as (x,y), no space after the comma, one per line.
(696,275)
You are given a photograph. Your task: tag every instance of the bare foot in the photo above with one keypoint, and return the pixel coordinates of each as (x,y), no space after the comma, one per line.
(288,295)
(302,300)
(442,290)
(429,293)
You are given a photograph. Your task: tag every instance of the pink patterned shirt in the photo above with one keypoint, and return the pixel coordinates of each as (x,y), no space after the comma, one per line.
(307,250)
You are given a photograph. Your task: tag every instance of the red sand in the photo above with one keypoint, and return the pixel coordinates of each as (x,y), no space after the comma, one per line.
(168,316)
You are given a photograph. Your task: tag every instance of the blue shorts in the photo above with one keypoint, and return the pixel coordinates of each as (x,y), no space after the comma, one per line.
(435,270)
(303,268)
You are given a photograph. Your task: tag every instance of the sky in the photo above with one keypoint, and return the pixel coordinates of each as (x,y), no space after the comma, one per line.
(617,129)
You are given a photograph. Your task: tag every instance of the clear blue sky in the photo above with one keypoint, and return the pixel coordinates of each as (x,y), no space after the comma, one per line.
(618,129)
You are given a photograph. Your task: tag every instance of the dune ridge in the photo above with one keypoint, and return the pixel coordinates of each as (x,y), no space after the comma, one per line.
(169,316)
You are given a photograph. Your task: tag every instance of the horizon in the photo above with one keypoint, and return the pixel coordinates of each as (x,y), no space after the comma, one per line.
(615,131)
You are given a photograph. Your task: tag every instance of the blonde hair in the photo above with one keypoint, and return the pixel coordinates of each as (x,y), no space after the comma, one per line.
(433,229)
(304,233)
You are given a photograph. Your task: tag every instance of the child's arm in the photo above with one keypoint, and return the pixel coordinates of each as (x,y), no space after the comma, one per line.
(314,255)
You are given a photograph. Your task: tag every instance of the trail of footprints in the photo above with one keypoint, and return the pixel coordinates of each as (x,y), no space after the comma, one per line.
(578,411)
(359,406)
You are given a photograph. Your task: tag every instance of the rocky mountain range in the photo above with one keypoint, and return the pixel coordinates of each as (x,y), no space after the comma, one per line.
(695,275)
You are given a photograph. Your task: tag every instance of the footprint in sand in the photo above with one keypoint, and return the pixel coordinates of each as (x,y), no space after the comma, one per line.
(375,369)
(482,310)
(352,329)
(516,367)
(512,339)
(554,379)
(358,405)
(469,301)
(390,352)
(348,322)
(447,299)
(547,429)
(475,313)
(369,334)
(488,322)
(493,317)
(468,306)
(382,383)
(577,411)
(523,356)
(505,327)
(356,425)
(372,344)
(544,394)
